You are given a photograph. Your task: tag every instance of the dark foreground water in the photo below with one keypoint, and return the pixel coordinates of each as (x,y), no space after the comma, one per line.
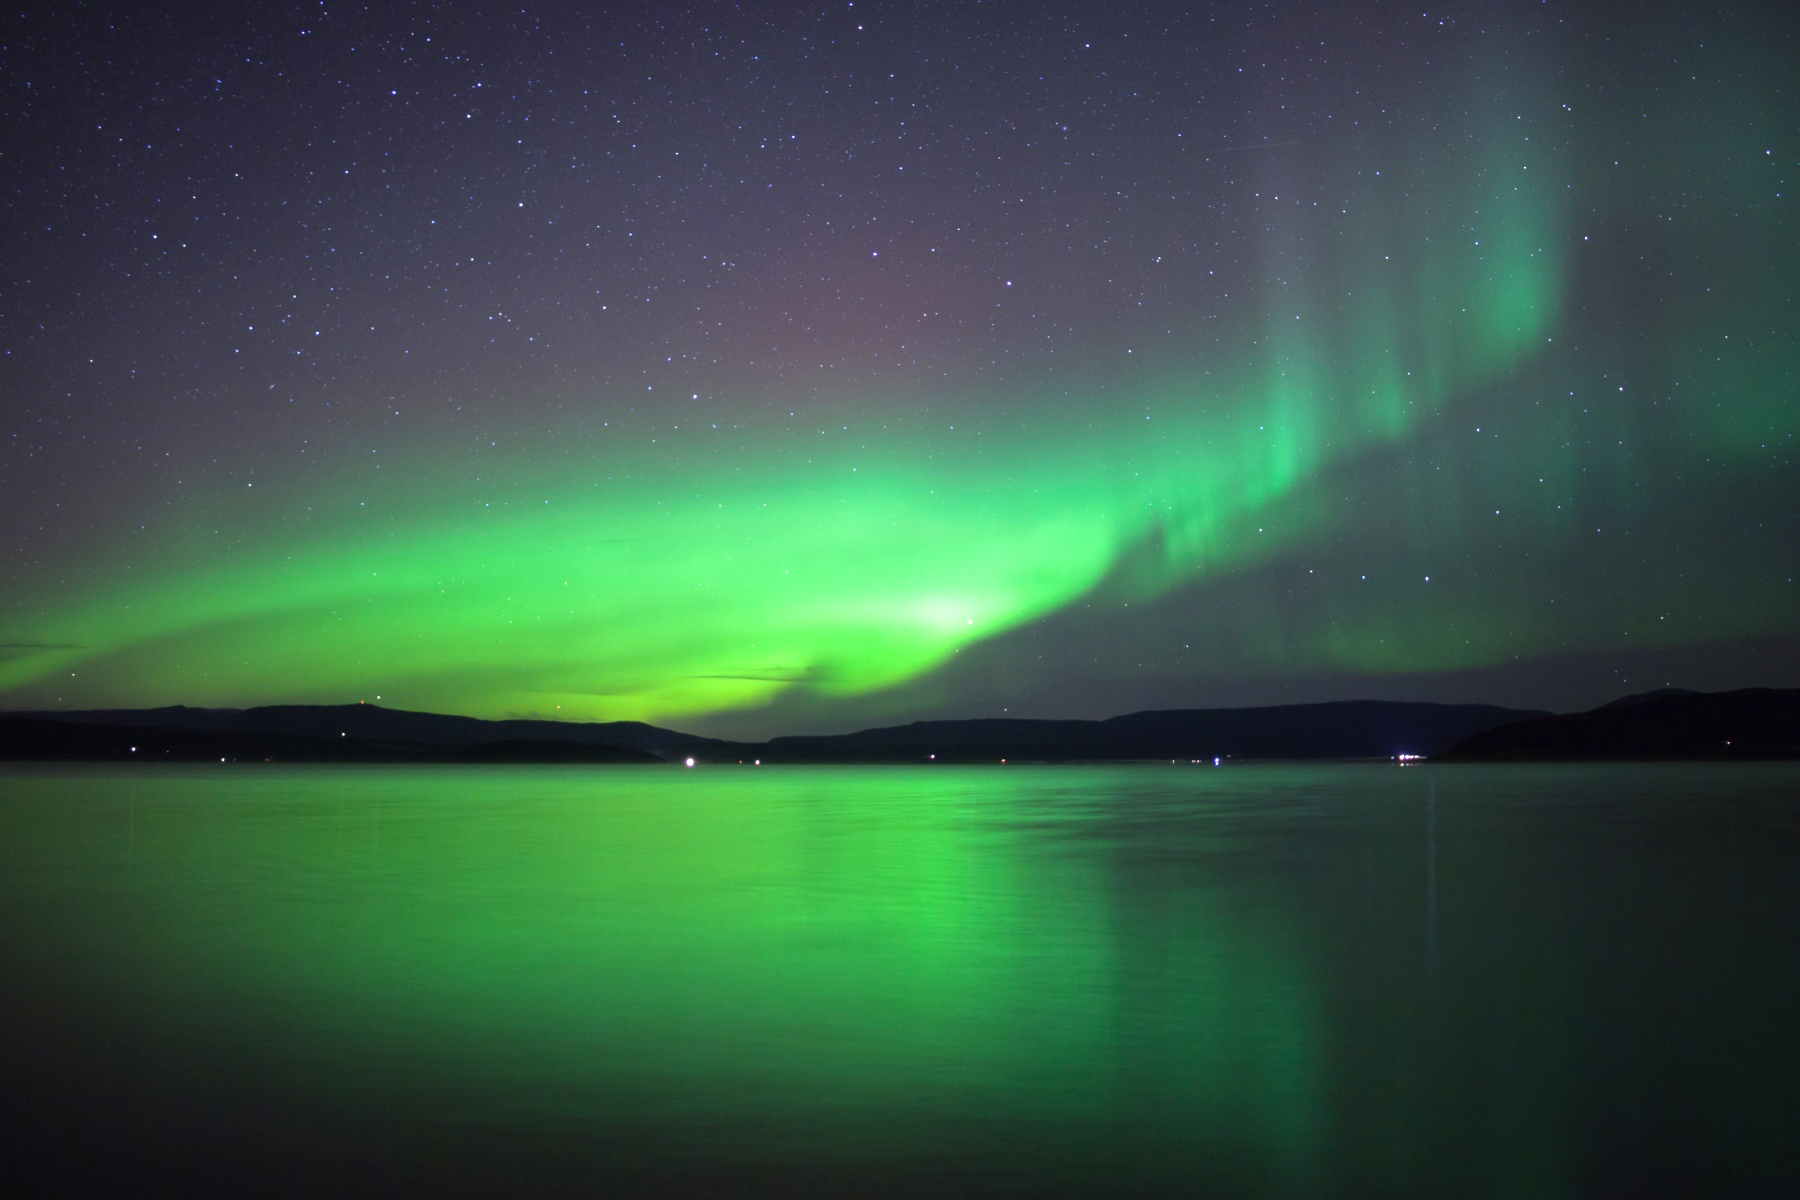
(1286,981)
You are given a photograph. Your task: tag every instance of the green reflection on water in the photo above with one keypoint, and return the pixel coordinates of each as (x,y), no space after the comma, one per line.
(1333,980)
(888,961)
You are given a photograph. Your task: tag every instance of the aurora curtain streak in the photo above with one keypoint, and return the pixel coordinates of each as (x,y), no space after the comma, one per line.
(1509,374)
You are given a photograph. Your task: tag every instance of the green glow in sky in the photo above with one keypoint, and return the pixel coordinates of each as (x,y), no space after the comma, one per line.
(1462,374)
(676,578)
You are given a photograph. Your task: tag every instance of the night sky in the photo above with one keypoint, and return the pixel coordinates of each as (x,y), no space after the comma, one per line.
(761,368)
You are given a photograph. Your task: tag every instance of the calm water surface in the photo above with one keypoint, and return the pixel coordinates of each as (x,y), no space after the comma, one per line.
(1280,981)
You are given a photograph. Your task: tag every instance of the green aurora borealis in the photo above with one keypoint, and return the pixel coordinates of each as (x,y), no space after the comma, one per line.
(1503,382)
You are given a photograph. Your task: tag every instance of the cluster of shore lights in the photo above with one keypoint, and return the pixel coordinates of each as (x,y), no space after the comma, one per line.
(1406,758)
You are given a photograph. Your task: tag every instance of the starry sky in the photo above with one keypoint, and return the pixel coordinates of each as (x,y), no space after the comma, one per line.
(756,368)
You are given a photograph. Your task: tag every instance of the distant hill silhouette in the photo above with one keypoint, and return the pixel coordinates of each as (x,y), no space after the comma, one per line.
(1641,697)
(376,724)
(40,739)
(1345,729)
(1755,723)
(371,733)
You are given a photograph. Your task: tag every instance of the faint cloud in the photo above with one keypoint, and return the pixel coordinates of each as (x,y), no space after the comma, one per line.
(770,675)
(24,649)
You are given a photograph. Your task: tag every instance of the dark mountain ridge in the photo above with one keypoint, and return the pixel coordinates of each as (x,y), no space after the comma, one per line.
(1668,724)
(1672,725)
(1342,729)
(31,738)
(372,722)
(371,733)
